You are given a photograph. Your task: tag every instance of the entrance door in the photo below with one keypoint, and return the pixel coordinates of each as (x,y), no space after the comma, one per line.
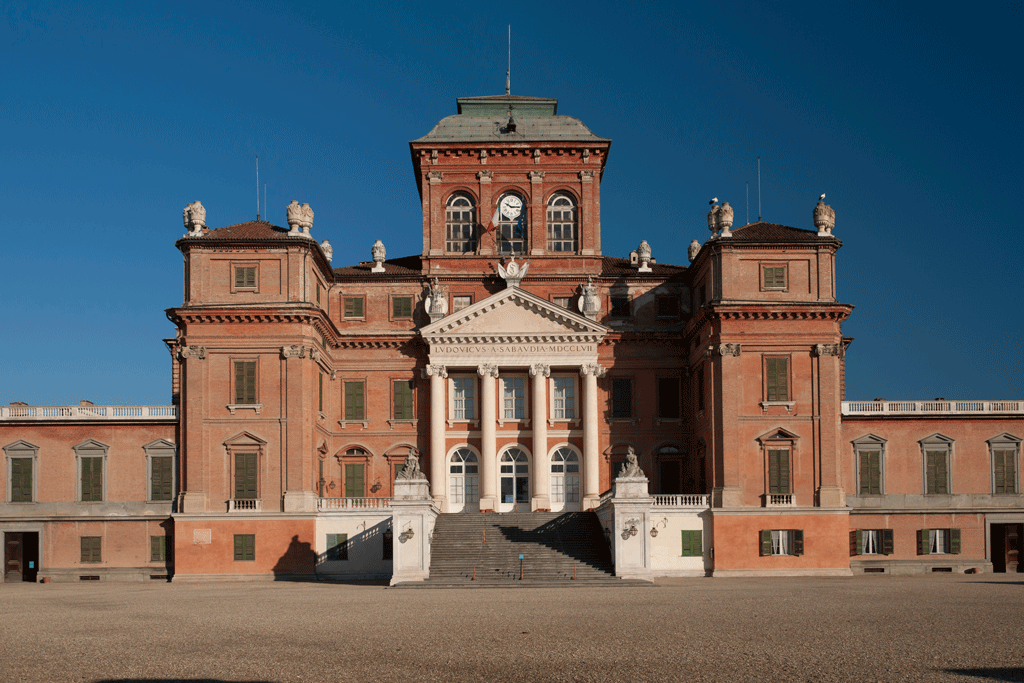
(669,472)
(463,481)
(1006,548)
(515,481)
(565,481)
(21,556)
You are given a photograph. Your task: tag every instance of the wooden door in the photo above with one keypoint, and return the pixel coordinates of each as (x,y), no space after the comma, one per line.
(13,556)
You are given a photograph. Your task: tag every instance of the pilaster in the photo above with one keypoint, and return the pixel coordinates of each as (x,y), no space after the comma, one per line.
(488,438)
(541,484)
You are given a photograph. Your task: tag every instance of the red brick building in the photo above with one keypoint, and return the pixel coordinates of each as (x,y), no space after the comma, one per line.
(522,364)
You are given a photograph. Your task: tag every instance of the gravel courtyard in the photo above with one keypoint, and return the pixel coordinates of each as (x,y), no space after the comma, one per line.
(927,628)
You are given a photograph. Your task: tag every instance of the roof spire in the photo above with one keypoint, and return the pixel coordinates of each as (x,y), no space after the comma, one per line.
(508,74)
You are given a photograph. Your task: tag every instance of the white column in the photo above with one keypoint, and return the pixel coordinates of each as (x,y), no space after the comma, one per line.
(541,467)
(438,411)
(591,454)
(488,438)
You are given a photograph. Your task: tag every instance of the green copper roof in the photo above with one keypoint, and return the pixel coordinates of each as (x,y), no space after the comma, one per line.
(483,119)
(498,105)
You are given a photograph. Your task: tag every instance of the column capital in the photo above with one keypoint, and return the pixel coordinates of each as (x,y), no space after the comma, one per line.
(592,369)
(487,370)
(828,350)
(540,369)
(723,350)
(192,352)
(293,351)
(435,371)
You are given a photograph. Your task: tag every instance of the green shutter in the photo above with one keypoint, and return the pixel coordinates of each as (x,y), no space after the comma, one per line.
(245,382)
(245,476)
(856,542)
(936,472)
(354,401)
(403,399)
(766,542)
(401,307)
(337,547)
(21,480)
(245,547)
(777,379)
(923,542)
(92,479)
(692,543)
(160,487)
(157,548)
(778,471)
(870,472)
(954,541)
(321,386)
(796,537)
(887,542)
(354,481)
(1004,463)
(91,549)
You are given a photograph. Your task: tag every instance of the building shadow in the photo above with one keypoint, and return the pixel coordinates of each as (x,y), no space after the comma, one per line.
(297,564)
(994,674)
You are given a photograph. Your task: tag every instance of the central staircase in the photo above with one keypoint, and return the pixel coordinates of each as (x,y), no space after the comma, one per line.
(482,550)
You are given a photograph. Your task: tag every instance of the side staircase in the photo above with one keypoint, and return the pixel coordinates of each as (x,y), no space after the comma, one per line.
(482,550)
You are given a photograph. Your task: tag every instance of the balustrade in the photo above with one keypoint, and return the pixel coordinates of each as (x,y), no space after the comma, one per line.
(932,407)
(682,500)
(353,503)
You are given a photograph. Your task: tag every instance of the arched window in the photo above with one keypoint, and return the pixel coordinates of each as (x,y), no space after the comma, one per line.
(464,478)
(562,234)
(460,224)
(512,228)
(565,476)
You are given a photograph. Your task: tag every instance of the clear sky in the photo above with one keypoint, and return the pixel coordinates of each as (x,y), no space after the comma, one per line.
(113,116)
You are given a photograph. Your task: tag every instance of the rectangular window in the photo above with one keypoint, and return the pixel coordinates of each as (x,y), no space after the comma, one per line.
(871,542)
(92,480)
(318,294)
(563,301)
(668,397)
(245,277)
(773,277)
(353,307)
(21,480)
(1004,464)
(355,480)
(321,387)
(870,464)
(401,307)
(776,380)
(693,543)
(91,549)
(619,306)
(462,398)
(936,472)
(778,471)
(622,397)
(246,475)
(938,541)
(157,548)
(782,542)
(668,307)
(245,547)
(337,547)
(513,398)
(161,478)
(355,401)
(565,398)
(403,399)
(245,382)
(461,302)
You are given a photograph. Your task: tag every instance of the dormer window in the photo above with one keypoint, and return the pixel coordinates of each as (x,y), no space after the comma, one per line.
(460,224)
(562,234)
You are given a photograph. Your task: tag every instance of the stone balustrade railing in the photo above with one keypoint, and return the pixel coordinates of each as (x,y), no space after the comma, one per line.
(683,500)
(88,412)
(245,505)
(932,407)
(353,503)
(777,500)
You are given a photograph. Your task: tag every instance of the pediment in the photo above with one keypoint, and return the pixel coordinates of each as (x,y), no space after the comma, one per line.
(20,447)
(514,315)
(243,440)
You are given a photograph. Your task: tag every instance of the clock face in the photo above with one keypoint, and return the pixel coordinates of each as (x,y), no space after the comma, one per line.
(511,207)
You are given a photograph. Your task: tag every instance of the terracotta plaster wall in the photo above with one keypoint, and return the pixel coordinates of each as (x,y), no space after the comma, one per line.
(971,467)
(57,465)
(125,543)
(906,526)
(738,546)
(283,546)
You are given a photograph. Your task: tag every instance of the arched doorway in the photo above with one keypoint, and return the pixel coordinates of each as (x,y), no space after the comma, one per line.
(565,480)
(463,481)
(515,480)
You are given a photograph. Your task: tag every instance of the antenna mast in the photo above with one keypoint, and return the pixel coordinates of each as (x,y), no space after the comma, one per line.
(257,188)
(265,212)
(508,74)
(759,189)
(748,202)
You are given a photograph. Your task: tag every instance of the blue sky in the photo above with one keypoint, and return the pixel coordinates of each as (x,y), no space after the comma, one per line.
(115,115)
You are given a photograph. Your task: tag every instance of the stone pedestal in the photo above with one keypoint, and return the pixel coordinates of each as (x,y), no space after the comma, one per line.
(831,497)
(631,525)
(192,501)
(412,524)
(300,501)
(726,497)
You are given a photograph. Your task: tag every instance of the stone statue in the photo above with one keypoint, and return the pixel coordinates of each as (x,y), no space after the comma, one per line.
(411,469)
(378,253)
(589,304)
(328,250)
(306,219)
(512,274)
(194,217)
(437,302)
(713,219)
(725,219)
(694,250)
(631,468)
(294,211)
(824,218)
(643,252)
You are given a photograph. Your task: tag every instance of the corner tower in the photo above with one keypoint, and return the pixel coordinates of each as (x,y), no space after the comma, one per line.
(509,176)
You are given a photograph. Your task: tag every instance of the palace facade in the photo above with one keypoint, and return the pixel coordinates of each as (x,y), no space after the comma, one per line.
(520,369)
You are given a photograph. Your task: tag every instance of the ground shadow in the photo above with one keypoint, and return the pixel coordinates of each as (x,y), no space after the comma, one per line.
(297,563)
(994,674)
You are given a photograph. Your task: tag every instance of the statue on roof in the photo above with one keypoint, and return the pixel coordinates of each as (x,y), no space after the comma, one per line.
(194,217)
(294,211)
(589,304)
(631,468)
(411,468)
(306,219)
(328,250)
(512,274)
(436,302)
(378,253)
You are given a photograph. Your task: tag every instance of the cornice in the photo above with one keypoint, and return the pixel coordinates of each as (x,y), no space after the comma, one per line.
(543,338)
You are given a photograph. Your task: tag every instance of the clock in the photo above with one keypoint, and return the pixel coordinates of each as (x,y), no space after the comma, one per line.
(511,207)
